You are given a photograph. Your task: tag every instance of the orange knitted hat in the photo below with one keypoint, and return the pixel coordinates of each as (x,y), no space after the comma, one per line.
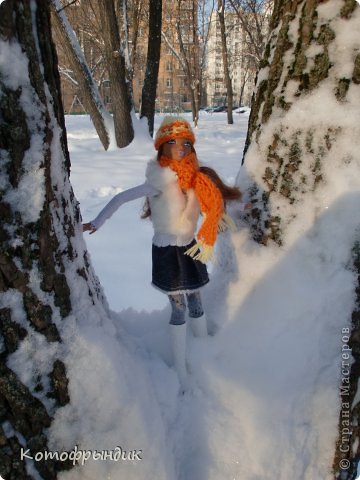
(173,127)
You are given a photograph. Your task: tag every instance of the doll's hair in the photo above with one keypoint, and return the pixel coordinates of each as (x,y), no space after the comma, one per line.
(227,192)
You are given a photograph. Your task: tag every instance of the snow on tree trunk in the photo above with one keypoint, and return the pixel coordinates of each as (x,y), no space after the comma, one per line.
(302,154)
(304,113)
(41,249)
(88,91)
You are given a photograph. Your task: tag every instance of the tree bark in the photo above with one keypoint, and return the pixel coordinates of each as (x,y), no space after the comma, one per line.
(115,61)
(148,96)
(296,154)
(87,88)
(270,98)
(37,233)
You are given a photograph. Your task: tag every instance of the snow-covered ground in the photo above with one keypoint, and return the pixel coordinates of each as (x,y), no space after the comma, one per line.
(264,395)
(121,251)
(263,399)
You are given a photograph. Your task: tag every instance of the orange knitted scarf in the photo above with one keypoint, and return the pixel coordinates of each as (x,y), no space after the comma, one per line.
(210,200)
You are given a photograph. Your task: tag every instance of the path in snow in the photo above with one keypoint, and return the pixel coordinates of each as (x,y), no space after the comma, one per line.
(261,400)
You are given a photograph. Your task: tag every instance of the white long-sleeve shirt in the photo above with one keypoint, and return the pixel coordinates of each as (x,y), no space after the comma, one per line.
(174,214)
(143,190)
(160,238)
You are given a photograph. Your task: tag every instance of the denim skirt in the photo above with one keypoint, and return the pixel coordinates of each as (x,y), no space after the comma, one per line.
(173,271)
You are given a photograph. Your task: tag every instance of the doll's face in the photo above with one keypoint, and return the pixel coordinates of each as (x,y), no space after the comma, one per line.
(177,149)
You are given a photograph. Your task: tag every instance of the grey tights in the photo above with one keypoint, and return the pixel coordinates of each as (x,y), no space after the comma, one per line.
(178,306)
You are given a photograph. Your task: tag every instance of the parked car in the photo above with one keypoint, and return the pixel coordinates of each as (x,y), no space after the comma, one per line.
(215,109)
(242,110)
(220,108)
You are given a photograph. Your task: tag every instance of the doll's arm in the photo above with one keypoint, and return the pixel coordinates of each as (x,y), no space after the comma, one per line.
(144,190)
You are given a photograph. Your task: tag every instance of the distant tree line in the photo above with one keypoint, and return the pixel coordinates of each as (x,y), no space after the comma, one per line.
(103,40)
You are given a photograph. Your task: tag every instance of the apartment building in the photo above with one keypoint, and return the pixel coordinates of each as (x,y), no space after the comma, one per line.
(241,64)
(173,82)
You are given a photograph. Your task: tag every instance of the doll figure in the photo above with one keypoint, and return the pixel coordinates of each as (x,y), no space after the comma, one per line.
(178,191)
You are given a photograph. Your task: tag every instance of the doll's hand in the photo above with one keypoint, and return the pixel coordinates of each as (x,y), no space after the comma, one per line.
(89,227)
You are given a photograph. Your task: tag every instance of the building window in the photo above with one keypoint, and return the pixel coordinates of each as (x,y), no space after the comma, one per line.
(168,82)
(169,67)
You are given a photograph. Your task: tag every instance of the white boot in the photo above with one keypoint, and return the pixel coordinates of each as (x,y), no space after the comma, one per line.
(199,326)
(178,343)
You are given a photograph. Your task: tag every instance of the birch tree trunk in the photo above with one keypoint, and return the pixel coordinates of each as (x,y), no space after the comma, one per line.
(304,128)
(40,239)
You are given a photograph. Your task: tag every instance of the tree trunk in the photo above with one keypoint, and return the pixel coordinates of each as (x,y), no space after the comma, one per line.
(229,91)
(115,61)
(148,96)
(40,219)
(87,89)
(302,129)
(189,52)
(184,56)
(273,97)
(197,76)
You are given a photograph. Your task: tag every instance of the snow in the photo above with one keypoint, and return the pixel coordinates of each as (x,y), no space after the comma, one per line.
(126,169)
(263,399)
(72,38)
(16,62)
(28,197)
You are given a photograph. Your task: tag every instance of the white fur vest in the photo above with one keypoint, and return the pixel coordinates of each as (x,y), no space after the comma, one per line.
(172,211)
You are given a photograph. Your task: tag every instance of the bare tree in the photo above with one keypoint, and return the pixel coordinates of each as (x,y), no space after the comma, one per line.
(131,15)
(253,16)
(187,36)
(99,45)
(81,74)
(152,65)
(206,10)
(228,83)
(182,37)
(115,62)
